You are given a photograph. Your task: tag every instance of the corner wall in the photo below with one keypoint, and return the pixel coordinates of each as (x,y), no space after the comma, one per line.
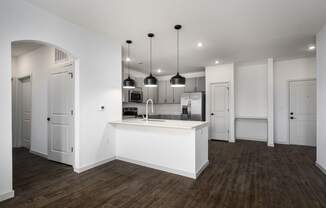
(321,99)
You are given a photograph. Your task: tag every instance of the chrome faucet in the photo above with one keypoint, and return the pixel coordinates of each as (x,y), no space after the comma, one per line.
(147,102)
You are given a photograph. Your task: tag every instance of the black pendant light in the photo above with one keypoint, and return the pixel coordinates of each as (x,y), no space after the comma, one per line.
(128,83)
(150,81)
(178,80)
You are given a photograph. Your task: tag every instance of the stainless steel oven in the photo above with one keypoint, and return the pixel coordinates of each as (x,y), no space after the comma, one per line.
(135,95)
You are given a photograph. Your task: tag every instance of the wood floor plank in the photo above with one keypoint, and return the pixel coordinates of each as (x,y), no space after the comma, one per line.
(245,174)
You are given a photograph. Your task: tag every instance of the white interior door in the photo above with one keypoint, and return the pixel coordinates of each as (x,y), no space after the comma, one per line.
(61,131)
(25,84)
(219,115)
(303,112)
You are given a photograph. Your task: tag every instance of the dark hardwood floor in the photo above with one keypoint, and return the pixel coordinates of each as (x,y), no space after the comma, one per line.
(244,174)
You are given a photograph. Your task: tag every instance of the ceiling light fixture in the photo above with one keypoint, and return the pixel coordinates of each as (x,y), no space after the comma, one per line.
(217,62)
(312,48)
(159,70)
(199,44)
(150,81)
(178,80)
(128,83)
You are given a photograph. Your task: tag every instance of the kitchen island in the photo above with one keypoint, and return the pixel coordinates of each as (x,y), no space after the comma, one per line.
(179,147)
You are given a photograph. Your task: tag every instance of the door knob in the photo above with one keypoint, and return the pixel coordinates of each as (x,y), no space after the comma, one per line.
(49,119)
(291,113)
(291,117)
(212,114)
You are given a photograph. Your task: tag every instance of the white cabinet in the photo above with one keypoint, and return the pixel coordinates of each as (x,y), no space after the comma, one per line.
(169,93)
(125,94)
(196,84)
(190,85)
(177,92)
(162,91)
(201,84)
(152,93)
(165,92)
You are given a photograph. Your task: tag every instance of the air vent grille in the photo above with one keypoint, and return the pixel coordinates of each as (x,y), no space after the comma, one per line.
(60,56)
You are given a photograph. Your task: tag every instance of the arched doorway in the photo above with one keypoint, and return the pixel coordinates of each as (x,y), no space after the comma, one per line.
(43,110)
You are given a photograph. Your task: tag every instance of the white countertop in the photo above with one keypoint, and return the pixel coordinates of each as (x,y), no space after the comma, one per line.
(179,124)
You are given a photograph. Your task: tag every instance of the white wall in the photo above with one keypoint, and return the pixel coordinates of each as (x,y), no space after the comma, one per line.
(251,88)
(321,99)
(98,79)
(216,74)
(37,63)
(284,71)
(251,101)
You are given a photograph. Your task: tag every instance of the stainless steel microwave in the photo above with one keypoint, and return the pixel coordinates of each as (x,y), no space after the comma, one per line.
(135,95)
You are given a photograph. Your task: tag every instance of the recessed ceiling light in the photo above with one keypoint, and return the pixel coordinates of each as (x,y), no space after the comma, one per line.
(127,59)
(312,48)
(217,62)
(159,70)
(199,44)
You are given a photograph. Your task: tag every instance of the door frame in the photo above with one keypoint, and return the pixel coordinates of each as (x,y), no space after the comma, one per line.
(17,82)
(289,102)
(228,84)
(72,63)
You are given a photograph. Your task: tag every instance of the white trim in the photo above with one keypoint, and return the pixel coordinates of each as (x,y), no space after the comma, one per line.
(231,118)
(252,139)
(19,107)
(281,142)
(39,154)
(320,167)
(93,165)
(158,167)
(202,168)
(289,103)
(8,195)
(270,102)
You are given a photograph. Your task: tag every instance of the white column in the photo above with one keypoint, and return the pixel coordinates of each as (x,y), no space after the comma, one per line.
(232,107)
(270,102)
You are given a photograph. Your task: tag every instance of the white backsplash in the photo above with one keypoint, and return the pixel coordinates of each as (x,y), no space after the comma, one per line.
(159,109)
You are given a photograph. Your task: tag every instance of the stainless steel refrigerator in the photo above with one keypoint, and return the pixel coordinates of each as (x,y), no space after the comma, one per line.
(193,106)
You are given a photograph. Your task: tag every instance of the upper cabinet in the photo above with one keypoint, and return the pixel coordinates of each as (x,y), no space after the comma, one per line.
(190,85)
(177,92)
(201,84)
(196,84)
(164,93)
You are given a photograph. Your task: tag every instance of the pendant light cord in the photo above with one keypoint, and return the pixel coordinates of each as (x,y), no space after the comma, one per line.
(177,51)
(150,56)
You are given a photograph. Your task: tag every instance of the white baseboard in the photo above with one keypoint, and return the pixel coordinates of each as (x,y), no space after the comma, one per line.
(202,168)
(7,195)
(158,167)
(320,167)
(252,139)
(38,154)
(90,166)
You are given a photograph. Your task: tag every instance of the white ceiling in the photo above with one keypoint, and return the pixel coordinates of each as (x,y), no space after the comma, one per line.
(230,30)
(19,48)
